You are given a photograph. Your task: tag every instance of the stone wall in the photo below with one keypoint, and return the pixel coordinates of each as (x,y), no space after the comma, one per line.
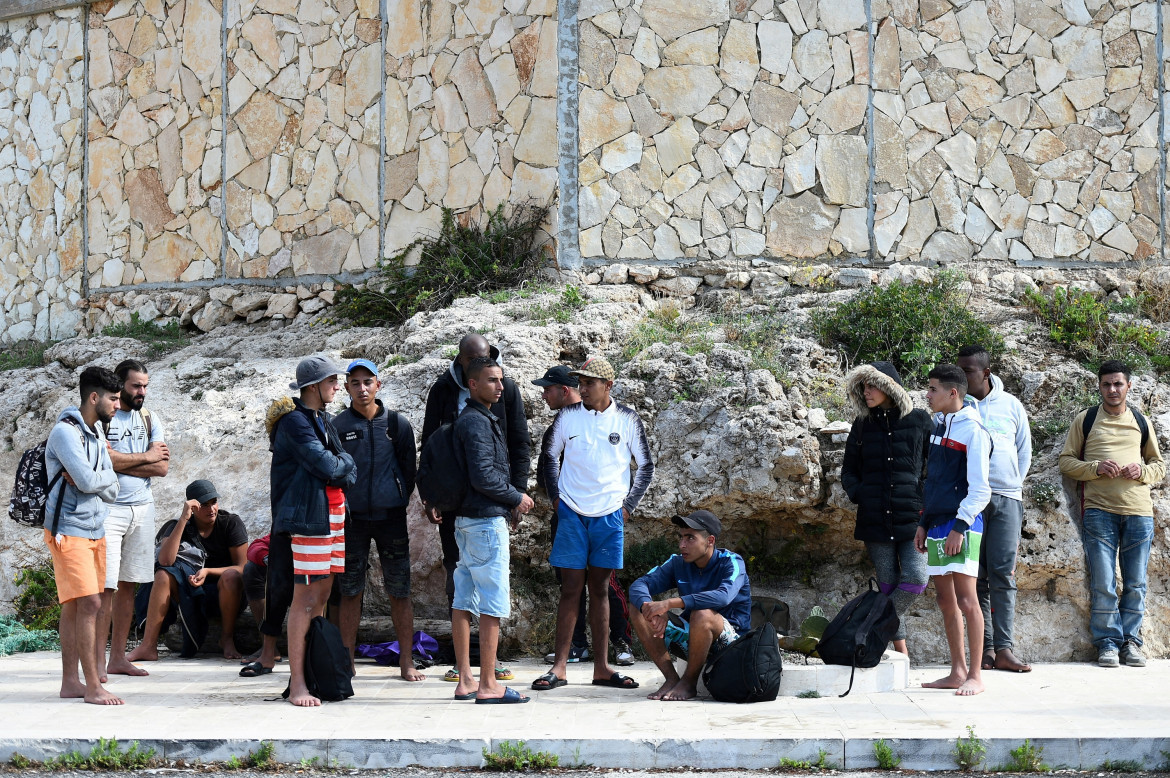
(341,140)
(1021,130)
(41,67)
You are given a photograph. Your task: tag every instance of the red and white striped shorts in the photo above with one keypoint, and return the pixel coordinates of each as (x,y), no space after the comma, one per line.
(318,556)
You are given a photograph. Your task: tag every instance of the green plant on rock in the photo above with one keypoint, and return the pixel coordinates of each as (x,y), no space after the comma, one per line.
(915,326)
(1080,322)
(160,339)
(969,751)
(885,756)
(106,755)
(1044,494)
(516,757)
(263,758)
(809,694)
(26,353)
(463,259)
(811,630)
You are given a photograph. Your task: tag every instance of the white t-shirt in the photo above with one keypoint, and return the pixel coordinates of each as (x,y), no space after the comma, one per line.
(594,478)
(127,435)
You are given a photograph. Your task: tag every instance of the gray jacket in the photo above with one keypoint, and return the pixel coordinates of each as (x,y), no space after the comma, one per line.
(81,451)
(480,439)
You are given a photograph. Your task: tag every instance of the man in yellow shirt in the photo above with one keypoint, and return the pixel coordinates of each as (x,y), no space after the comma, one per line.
(1117,461)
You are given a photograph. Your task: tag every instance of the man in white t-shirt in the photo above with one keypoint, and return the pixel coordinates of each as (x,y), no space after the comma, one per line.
(587,477)
(138,453)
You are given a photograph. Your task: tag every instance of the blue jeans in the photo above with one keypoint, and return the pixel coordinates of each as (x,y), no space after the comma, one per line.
(1109,537)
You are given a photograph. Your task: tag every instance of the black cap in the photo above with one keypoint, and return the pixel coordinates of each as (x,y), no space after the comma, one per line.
(558,375)
(202,490)
(704,520)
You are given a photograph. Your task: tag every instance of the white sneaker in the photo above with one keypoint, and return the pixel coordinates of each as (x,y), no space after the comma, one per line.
(623,654)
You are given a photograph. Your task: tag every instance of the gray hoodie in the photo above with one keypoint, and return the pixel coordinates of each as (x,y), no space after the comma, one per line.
(82,452)
(1007,421)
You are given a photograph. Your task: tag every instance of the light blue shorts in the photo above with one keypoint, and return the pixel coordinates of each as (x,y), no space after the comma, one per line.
(678,636)
(481,575)
(588,541)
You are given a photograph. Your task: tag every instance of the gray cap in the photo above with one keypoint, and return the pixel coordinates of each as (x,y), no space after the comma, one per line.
(314,370)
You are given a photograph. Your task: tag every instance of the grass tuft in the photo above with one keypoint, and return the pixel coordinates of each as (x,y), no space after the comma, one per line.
(160,339)
(517,757)
(26,353)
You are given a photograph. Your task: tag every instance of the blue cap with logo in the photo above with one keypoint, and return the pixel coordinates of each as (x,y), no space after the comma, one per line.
(367,364)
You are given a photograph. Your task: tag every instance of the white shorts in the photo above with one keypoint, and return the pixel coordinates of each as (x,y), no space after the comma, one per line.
(130,544)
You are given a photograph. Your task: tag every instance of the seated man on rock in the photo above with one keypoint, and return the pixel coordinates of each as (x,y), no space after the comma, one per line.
(714,595)
(198,568)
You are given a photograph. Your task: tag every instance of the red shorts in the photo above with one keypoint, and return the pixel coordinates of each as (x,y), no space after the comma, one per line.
(319,556)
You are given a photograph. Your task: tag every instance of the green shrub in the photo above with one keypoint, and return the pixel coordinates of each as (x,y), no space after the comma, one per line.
(885,756)
(36,605)
(26,353)
(106,755)
(459,261)
(1027,758)
(914,326)
(515,757)
(1079,321)
(969,752)
(160,339)
(1121,766)
(809,694)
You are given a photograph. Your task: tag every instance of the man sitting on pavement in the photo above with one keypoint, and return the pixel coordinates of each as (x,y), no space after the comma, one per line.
(559,390)
(199,563)
(714,594)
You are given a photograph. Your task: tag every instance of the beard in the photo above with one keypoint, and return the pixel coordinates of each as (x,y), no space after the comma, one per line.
(132,403)
(105,418)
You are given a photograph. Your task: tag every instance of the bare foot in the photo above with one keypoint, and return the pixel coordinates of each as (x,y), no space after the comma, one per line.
(1006,660)
(257,656)
(952,681)
(970,688)
(305,700)
(681,691)
(466,686)
(123,667)
(143,653)
(662,690)
(988,662)
(102,697)
(412,674)
(229,650)
(72,690)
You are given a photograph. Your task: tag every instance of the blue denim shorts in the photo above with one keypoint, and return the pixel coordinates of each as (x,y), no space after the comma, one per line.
(481,575)
(588,541)
(678,636)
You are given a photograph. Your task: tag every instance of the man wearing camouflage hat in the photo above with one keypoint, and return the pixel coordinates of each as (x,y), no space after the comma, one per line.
(587,475)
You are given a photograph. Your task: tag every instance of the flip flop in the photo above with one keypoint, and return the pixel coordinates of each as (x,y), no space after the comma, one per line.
(451,675)
(254,669)
(617,681)
(468,696)
(504,674)
(548,681)
(511,697)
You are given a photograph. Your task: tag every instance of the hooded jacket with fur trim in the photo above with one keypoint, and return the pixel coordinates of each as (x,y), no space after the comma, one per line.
(885,456)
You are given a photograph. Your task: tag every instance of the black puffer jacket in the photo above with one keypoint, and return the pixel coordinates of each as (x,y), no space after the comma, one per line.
(885,457)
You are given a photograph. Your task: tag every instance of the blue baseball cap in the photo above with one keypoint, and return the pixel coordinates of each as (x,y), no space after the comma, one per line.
(367,364)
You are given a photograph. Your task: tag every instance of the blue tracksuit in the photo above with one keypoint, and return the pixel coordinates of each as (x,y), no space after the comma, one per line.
(721,586)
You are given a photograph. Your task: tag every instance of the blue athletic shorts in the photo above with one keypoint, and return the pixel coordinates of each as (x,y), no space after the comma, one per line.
(587,541)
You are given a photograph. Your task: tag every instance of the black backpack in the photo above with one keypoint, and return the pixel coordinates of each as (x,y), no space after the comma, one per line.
(748,670)
(31,489)
(442,476)
(327,663)
(860,633)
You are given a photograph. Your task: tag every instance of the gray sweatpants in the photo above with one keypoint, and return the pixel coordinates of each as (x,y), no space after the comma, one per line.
(1002,520)
(901,573)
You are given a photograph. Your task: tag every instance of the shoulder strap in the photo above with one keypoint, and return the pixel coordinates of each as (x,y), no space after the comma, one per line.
(1087,425)
(392,425)
(1144,426)
(145,414)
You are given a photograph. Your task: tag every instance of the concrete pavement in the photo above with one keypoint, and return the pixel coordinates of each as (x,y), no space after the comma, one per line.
(1081,715)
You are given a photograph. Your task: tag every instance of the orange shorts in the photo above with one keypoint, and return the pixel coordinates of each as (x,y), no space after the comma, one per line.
(79,566)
